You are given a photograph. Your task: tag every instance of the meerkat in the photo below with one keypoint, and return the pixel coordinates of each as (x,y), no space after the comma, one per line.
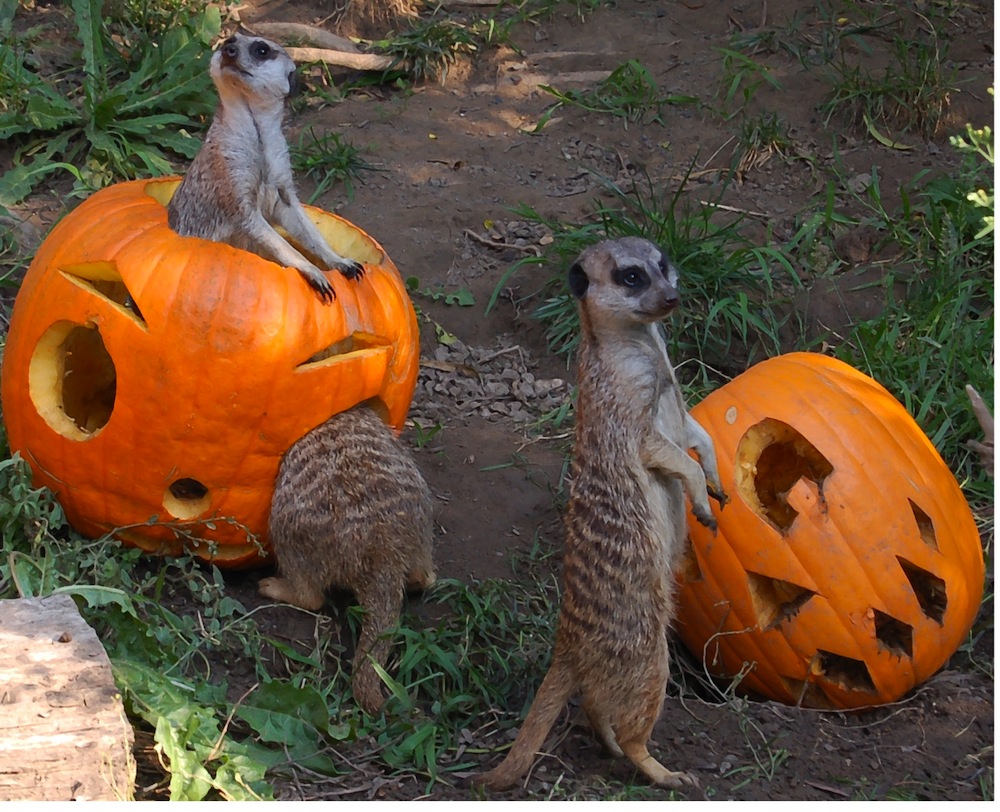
(240,183)
(352,510)
(625,519)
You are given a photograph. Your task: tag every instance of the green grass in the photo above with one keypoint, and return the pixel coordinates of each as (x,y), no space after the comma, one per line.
(911,94)
(328,159)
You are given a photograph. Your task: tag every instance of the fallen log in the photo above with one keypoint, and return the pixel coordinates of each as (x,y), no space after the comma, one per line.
(63,731)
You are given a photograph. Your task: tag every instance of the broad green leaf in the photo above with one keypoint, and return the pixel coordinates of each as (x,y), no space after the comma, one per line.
(284,714)
(97,596)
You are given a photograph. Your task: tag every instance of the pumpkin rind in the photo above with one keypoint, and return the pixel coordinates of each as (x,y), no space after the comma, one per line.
(848,581)
(210,381)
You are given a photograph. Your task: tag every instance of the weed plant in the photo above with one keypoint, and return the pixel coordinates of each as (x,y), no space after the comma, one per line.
(328,159)
(910,94)
(629,93)
(428,49)
(125,115)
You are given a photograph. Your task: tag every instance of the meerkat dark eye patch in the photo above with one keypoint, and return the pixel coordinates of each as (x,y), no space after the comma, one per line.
(634,278)
(578,281)
(261,50)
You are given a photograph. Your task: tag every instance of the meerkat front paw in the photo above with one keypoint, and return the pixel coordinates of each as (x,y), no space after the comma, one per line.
(718,494)
(350,269)
(705,517)
(319,283)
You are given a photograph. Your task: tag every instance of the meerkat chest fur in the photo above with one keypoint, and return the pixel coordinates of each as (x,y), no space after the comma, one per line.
(252,142)
(627,390)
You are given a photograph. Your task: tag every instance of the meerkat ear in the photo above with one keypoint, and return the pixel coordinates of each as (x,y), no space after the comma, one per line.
(578,281)
(293,82)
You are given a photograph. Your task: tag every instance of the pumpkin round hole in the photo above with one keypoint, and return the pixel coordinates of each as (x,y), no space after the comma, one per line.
(72,380)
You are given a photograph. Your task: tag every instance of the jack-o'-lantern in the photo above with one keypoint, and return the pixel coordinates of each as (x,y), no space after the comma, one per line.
(154,381)
(848,567)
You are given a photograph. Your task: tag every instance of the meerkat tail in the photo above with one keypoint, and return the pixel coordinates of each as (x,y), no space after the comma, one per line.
(382,602)
(555,690)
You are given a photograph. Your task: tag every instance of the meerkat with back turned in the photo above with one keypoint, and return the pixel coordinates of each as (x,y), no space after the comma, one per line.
(240,183)
(626,519)
(352,510)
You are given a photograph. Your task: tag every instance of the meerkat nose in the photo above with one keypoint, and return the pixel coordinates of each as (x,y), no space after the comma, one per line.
(230,51)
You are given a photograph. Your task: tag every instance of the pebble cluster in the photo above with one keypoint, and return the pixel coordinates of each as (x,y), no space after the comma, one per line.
(494,383)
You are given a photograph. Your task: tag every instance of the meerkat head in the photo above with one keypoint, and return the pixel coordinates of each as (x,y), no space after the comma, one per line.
(254,68)
(624,281)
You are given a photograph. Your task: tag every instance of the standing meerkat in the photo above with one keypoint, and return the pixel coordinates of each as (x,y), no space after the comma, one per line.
(240,182)
(352,510)
(626,518)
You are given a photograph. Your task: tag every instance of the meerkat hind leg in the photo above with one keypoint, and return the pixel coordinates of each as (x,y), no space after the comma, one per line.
(601,724)
(284,590)
(637,753)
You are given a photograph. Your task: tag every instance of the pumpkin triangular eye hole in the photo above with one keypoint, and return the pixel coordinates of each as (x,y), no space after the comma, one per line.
(103,279)
(774,600)
(925,525)
(355,342)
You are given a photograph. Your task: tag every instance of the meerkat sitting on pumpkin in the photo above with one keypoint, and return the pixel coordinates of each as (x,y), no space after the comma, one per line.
(240,184)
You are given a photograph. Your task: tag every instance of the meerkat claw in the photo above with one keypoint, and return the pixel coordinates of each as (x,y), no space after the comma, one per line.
(323,289)
(351,269)
(718,495)
(708,520)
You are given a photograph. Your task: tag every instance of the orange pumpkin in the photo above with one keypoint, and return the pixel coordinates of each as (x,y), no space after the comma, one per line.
(847,568)
(150,377)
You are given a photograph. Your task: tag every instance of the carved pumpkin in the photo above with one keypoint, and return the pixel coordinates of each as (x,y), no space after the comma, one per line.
(847,567)
(152,375)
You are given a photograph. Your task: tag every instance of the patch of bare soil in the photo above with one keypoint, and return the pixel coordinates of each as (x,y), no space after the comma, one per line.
(452,160)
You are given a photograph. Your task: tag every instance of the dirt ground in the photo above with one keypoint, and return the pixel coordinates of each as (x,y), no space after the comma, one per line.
(452,160)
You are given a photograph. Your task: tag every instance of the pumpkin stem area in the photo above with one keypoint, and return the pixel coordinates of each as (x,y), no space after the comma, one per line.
(72,380)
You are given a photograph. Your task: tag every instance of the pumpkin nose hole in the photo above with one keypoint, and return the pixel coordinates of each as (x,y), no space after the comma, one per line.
(893,635)
(72,380)
(771,457)
(848,673)
(186,498)
(929,590)
(775,600)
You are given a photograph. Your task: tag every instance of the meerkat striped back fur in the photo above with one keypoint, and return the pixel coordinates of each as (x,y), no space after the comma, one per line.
(626,519)
(352,510)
